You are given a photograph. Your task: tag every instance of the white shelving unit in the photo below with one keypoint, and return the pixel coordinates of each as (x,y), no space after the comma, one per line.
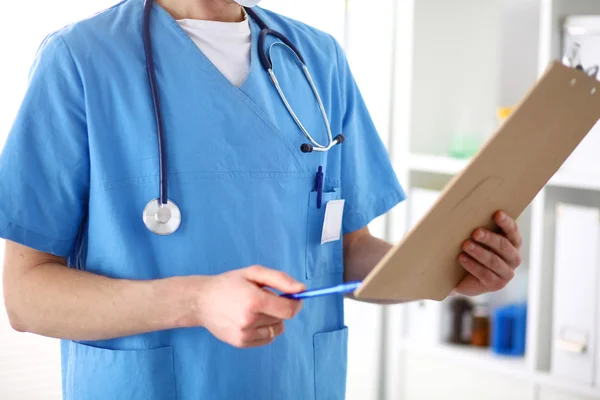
(447,166)
(456,63)
(471,356)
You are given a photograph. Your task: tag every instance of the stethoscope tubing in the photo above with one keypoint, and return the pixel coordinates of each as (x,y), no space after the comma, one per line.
(161,215)
(160,134)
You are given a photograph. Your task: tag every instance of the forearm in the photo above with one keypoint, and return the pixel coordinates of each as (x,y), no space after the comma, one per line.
(56,301)
(361,256)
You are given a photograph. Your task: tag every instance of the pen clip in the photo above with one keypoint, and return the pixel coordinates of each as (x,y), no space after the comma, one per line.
(319,186)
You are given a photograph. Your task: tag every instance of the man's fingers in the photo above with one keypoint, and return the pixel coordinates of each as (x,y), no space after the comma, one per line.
(269,332)
(260,332)
(500,245)
(489,260)
(510,227)
(469,286)
(272,305)
(264,320)
(274,279)
(488,279)
(261,335)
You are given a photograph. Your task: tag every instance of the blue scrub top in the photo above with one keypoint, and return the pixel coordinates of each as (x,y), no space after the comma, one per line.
(81,163)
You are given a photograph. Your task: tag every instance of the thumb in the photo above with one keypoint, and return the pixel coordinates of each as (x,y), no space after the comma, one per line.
(272,278)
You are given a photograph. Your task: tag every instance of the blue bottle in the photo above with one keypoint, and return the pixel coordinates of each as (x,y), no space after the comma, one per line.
(509,330)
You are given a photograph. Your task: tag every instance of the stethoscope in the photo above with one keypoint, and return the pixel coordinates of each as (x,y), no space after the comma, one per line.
(162,216)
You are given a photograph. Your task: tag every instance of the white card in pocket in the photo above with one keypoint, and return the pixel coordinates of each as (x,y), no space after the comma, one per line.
(332,223)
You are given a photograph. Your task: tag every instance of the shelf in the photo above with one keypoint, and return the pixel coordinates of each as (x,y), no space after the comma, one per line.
(549,381)
(442,165)
(515,367)
(436,164)
(571,180)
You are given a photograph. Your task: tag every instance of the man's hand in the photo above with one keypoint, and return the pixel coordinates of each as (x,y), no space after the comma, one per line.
(236,308)
(490,258)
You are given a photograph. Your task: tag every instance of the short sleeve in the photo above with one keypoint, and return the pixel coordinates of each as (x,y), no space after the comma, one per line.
(369,184)
(44,164)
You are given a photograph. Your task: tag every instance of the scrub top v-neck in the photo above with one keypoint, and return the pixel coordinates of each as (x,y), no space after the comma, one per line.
(226,44)
(81,162)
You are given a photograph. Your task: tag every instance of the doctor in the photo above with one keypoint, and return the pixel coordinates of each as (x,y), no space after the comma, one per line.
(153,260)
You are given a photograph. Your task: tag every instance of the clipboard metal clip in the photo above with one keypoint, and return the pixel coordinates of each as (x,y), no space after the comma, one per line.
(572,58)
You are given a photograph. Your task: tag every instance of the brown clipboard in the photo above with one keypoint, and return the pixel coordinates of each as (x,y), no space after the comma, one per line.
(506,174)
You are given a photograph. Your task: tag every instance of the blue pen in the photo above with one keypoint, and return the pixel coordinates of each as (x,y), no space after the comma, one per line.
(338,289)
(319,186)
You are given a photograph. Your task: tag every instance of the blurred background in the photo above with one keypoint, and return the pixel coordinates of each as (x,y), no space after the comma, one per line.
(439,77)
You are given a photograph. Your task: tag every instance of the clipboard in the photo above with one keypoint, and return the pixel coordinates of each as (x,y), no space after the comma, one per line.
(506,174)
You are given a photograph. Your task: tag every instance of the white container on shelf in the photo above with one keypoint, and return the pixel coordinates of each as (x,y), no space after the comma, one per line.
(576,272)
(585,31)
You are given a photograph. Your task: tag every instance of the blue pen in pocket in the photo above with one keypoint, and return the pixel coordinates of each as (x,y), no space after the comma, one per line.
(319,186)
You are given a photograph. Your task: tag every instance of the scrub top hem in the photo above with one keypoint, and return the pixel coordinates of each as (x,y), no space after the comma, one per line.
(26,237)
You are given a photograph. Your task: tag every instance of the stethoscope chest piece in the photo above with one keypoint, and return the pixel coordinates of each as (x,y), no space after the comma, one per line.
(162,219)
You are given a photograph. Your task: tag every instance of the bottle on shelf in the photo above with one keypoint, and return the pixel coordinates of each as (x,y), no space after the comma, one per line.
(467,141)
(480,335)
(509,329)
(461,319)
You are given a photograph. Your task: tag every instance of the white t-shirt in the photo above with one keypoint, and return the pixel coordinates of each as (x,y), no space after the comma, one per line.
(226,44)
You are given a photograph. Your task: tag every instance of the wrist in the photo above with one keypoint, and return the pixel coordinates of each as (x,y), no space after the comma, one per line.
(181,297)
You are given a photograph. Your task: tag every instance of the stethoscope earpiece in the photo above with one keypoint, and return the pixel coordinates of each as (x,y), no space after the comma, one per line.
(309,148)
(306,148)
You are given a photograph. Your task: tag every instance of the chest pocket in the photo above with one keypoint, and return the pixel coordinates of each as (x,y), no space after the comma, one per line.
(321,259)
